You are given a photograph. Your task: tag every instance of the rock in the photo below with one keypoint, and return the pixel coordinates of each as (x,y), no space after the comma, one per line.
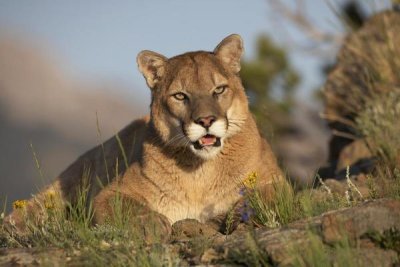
(370,257)
(363,69)
(364,235)
(355,222)
(353,153)
(193,240)
(187,229)
(349,77)
(340,186)
(327,230)
(32,257)
(211,255)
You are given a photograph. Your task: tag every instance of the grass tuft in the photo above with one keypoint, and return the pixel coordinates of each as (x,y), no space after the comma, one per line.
(289,205)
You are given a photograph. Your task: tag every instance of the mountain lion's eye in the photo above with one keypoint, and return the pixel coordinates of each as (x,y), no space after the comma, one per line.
(180,96)
(220,89)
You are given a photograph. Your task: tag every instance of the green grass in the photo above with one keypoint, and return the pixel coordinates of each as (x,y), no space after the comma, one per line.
(315,253)
(289,205)
(311,251)
(389,239)
(254,254)
(116,243)
(379,125)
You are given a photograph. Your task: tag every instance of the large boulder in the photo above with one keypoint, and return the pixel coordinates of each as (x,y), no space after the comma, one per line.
(367,66)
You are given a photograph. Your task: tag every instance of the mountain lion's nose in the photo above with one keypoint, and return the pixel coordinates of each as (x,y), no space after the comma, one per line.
(206,122)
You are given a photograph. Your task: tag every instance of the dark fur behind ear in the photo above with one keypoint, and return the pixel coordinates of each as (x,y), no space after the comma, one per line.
(152,66)
(229,51)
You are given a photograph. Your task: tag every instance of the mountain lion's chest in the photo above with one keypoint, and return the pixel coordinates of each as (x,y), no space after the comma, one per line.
(199,198)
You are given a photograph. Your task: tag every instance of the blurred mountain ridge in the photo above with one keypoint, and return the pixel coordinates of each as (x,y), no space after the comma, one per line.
(41,104)
(32,84)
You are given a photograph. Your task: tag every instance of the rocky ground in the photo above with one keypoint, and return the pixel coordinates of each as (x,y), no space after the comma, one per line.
(369,231)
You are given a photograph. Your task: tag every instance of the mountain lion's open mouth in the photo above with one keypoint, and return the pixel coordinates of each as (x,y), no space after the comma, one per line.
(208,140)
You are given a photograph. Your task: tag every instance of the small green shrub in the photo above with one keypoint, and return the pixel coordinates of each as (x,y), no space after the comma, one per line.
(389,239)
(287,205)
(316,253)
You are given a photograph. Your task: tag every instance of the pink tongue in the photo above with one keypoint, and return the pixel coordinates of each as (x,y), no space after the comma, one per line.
(208,140)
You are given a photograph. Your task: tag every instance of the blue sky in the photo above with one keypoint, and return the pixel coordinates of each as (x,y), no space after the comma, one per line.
(99,40)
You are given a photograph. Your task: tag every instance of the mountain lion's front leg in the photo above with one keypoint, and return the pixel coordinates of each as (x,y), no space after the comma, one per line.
(123,210)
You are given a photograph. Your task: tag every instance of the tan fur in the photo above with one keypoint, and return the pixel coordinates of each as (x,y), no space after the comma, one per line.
(163,173)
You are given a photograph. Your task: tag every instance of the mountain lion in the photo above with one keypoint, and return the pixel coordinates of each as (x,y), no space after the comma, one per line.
(187,159)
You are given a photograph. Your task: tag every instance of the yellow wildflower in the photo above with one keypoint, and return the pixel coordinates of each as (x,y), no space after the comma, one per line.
(49,200)
(51,194)
(20,204)
(250,180)
(104,245)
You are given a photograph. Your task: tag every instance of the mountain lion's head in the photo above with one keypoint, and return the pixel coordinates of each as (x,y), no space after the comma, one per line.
(198,100)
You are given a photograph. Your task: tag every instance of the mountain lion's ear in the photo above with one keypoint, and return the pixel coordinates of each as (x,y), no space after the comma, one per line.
(152,66)
(230,51)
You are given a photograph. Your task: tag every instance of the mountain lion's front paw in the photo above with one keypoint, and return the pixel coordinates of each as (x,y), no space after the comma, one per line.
(153,227)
